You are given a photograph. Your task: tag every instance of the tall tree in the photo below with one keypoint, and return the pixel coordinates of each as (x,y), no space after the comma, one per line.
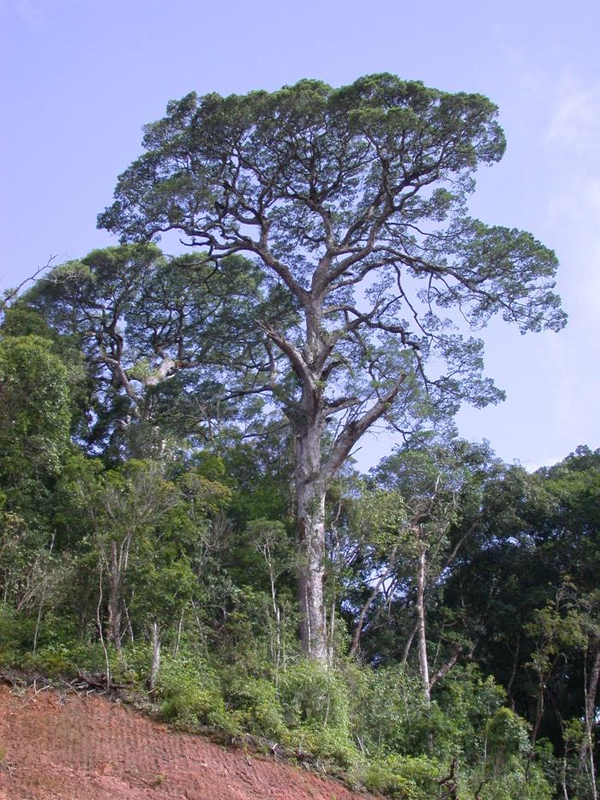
(354,200)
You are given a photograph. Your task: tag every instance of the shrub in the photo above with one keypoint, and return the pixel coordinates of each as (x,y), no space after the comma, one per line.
(311,694)
(389,713)
(190,694)
(405,777)
(16,636)
(255,703)
(506,735)
(52,660)
(467,700)
(316,710)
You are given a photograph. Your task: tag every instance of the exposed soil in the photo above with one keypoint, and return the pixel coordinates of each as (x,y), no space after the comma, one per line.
(85,747)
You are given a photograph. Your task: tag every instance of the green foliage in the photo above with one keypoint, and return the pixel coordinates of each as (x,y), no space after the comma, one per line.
(511,784)
(313,695)
(404,777)
(151,354)
(35,410)
(316,710)
(54,660)
(255,702)
(16,635)
(506,736)
(389,711)
(468,701)
(189,693)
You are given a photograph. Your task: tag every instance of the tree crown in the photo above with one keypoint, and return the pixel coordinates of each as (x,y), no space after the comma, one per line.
(354,201)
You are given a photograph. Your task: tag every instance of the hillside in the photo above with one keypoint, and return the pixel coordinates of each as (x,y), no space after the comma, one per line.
(85,746)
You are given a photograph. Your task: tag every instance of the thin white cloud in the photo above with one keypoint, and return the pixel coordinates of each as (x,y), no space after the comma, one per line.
(572,148)
(30,13)
(533,466)
(576,120)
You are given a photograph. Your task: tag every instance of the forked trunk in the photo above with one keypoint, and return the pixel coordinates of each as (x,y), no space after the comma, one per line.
(310,517)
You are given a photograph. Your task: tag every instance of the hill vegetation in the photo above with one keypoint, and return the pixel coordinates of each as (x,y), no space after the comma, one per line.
(179,509)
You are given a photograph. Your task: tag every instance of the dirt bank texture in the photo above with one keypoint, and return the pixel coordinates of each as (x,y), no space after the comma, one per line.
(84,747)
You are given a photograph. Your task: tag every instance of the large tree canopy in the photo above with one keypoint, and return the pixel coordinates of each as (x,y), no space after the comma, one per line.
(354,201)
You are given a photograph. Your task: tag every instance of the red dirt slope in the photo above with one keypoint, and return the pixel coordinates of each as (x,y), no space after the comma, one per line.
(89,748)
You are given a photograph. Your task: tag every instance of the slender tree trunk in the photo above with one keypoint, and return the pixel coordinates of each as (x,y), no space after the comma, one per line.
(367,605)
(409,642)
(513,673)
(42,599)
(99,621)
(563,778)
(310,516)
(276,644)
(179,630)
(114,604)
(331,631)
(539,715)
(421,632)
(155,667)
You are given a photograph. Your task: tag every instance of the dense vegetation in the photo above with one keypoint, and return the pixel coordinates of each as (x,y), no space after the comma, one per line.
(155,419)
(461,592)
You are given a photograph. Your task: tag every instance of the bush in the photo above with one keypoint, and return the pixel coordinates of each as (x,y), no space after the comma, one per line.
(316,709)
(190,694)
(52,660)
(405,777)
(255,703)
(510,784)
(468,701)
(311,694)
(389,712)
(507,736)
(16,636)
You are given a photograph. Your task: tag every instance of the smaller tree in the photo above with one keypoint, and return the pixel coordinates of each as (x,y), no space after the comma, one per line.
(417,519)
(35,411)
(35,417)
(162,339)
(147,529)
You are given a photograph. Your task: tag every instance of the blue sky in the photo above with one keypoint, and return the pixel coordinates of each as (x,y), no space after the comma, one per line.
(81,77)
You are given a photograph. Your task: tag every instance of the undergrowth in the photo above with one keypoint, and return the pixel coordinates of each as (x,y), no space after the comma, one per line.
(371,726)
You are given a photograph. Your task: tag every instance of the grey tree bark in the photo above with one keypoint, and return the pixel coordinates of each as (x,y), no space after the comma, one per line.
(155,666)
(421,629)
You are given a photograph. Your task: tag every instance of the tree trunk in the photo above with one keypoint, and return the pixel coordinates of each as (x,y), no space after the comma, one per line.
(310,520)
(114,601)
(421,632)
(513,673)
(99,621)
(539,715)
(155,666)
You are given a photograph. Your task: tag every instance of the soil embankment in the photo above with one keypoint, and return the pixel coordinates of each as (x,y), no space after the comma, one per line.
(85,747)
